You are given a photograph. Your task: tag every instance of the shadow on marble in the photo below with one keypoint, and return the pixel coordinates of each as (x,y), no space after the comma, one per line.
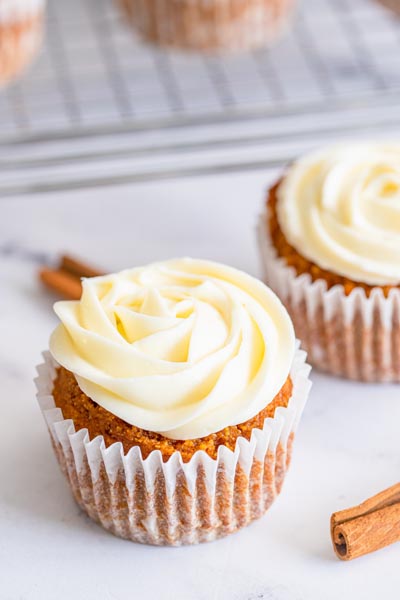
(39,297)
(309,534)
(37,490)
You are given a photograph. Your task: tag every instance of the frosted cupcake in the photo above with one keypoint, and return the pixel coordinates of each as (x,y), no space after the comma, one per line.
(172,396)
(208,24)
(330,244)
(21,24)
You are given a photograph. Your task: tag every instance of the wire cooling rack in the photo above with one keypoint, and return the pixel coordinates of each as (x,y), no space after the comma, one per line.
(96,93)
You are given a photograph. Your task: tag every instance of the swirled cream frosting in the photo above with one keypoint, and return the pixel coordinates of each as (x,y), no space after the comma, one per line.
(340,209)
(183,348)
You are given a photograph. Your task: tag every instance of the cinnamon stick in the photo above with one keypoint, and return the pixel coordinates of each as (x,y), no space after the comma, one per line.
(66,279)
(367,527)
(64,284)
(77,267)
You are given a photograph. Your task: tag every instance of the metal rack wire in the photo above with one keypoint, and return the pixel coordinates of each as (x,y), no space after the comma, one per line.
(340,59)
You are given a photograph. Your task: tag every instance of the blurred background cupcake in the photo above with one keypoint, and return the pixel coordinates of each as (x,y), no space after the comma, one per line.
(21,26)
(208,24)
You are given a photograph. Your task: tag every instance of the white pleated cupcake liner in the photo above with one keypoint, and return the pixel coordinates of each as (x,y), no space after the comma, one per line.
(208,24)
(173,503)
(21,33)
(354,336)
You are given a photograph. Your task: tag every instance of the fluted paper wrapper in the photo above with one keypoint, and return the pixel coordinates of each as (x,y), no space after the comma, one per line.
(208,24)
(174,503)
(21,32)
(353,336)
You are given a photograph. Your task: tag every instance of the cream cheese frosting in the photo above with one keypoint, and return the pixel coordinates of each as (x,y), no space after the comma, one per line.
(184,347)
(340,209)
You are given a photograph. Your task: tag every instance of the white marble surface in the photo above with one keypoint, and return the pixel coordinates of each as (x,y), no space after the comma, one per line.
(347,446)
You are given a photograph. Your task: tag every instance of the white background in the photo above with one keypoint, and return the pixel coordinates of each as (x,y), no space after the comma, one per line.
(347,446)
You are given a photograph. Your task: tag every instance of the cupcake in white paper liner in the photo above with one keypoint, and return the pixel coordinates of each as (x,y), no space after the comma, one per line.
(174,503)
(352,328)
(175,403)
(208,25)
(21,32)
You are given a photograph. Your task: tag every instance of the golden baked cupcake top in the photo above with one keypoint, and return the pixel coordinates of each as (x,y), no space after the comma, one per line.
(340,209)
(183,348)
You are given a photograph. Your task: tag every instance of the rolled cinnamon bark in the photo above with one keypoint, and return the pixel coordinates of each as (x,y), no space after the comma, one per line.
(66,279)
(77,267)
(367,527)
(62,283)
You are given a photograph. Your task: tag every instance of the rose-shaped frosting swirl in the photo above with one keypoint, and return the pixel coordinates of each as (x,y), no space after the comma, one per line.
(184,347)
(340,209)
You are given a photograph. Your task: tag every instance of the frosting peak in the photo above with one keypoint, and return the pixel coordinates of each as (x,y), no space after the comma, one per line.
(340,208)
(184,347)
